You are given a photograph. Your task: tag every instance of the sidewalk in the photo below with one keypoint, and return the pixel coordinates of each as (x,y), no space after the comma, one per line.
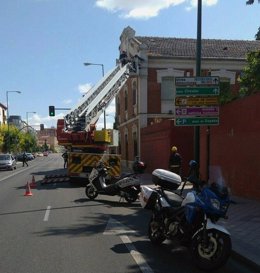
(243,223)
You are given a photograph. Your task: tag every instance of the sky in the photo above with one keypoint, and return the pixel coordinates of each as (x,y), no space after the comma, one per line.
(44,44)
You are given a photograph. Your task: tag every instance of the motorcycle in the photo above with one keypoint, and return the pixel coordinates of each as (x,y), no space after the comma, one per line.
(127,186)
(191,220)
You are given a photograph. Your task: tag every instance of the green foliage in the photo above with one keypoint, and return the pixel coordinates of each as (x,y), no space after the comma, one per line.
(225,95)
(17,139)
(257,36)
(28,142)
(250,79)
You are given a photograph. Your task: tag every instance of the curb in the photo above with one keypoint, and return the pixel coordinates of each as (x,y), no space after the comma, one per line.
(237,256)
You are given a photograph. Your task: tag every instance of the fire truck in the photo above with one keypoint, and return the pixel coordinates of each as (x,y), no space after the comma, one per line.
(77,131)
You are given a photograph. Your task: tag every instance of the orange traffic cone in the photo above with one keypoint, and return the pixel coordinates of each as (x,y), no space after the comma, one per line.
(28,190)
(33,183)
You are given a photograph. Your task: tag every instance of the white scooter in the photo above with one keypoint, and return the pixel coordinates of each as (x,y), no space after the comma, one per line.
(127,187)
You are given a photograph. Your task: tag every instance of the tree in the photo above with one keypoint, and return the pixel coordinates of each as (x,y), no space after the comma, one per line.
(18,140)
(250,2)
(28,142)
(257,36)
(250,79)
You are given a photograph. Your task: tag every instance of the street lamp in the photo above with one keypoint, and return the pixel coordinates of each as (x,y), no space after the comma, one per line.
(8,140)
(27,118)
(87,64)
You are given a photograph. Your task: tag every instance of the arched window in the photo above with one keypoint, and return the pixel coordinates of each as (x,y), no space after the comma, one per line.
(134,90)
(126,98)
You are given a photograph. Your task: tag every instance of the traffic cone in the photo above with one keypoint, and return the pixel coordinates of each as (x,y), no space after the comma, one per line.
(33,183)
(28,190)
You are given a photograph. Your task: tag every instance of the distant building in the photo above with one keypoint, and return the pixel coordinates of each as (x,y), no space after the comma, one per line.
(48,136)
(3,114)
(16,121)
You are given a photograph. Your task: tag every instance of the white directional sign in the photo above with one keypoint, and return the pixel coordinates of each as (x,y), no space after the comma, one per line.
(198,81)
(197,101)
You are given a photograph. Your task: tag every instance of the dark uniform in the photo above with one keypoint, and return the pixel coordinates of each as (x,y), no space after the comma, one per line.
(175,161)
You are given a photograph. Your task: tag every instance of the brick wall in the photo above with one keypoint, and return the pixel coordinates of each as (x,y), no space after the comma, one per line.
(235,147)
(157,141)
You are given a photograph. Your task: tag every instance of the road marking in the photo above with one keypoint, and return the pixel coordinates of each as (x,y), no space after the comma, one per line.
(116,228)
(137,256)
(17,172)
(47,214)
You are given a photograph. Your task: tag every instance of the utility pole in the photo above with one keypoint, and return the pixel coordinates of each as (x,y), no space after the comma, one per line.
(198,69)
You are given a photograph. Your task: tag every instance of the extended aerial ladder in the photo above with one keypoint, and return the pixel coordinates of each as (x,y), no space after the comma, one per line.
(92,105)
(79,124)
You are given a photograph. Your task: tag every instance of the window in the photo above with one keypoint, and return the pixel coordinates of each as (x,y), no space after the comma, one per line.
(126,147)
(118,105)
(134,89)
(126,100)
(167,95)
(167,88)
(135,144)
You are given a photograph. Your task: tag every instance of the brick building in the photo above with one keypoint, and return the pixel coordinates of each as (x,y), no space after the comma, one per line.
(145,106)
(47,136)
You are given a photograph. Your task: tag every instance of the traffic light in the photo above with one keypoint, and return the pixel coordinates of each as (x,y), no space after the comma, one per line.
(51,111)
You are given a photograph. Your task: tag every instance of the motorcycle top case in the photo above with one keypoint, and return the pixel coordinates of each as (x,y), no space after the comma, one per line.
(147,197)
(166,179)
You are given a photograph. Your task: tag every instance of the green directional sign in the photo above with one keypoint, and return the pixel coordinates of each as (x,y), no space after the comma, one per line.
(196,121)
(192,91)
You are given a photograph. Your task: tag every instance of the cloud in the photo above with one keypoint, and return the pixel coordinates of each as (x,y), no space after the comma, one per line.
(67,101)
(84,88)
(145,9)
(48,121)
(194,3)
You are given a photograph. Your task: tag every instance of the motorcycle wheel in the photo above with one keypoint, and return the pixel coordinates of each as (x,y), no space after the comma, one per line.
(155,233)
(212,254)
(91,193)
(130,198)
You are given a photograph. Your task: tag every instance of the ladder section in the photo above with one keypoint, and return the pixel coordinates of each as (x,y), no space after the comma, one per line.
(73,116)
(99,104)
(97,99)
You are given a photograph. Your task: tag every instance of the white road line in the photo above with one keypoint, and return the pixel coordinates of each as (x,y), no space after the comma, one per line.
(137,256)
(47,214)
(116,228)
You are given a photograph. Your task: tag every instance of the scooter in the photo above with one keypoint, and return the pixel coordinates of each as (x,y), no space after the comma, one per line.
(127,187)
(191,220)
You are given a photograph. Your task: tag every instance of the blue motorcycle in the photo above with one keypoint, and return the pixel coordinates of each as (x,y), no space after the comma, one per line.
(191,220)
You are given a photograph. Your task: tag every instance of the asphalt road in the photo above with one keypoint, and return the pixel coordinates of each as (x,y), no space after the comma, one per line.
(59,230)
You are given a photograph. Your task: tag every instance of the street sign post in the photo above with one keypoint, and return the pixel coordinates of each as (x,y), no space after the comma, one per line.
(197,121)
(197,101)
(196,81)
(197,111)
(197,91)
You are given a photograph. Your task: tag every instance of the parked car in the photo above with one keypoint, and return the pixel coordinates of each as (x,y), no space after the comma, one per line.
(45,153)
(29,157)
(7,162)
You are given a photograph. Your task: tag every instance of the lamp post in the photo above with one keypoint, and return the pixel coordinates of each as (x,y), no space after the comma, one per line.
(8,140)
(27,119)
(87,64)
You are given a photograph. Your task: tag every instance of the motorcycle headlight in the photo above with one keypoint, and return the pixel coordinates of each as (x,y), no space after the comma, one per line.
(215,203)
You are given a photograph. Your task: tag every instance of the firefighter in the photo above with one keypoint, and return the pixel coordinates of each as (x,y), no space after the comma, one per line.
(65,157)
(175,161)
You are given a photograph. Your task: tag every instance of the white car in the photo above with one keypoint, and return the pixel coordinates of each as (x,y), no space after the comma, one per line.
(7,162)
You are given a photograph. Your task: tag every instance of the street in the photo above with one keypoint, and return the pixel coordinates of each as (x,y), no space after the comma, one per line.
(58,229)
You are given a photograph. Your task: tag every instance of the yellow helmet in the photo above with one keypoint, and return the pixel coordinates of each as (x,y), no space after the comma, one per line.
(174,149)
